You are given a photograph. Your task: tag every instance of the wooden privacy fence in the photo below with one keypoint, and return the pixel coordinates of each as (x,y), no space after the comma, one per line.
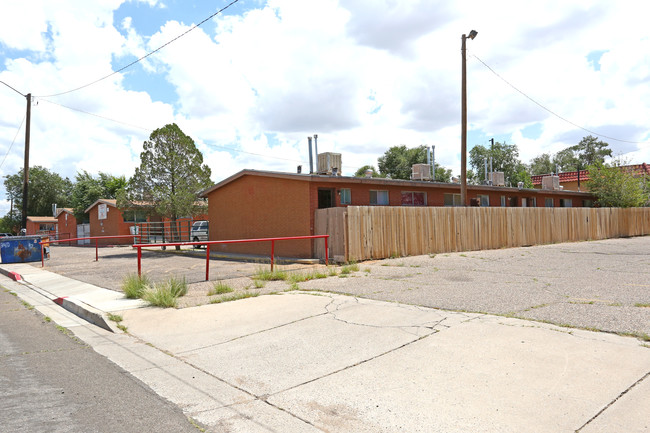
(375,232)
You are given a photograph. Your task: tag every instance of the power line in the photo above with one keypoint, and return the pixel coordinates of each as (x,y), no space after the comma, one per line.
(13,89)
(97,115)
(143,57)
(554,113)
(13,141)
(151,130)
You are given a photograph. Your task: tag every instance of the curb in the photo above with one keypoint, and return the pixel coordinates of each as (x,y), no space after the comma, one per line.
(75,306)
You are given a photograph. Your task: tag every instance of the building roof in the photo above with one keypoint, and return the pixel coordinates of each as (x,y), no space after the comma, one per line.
(572,176)
(365,180)
(42,219)
(60,210)
(108,201)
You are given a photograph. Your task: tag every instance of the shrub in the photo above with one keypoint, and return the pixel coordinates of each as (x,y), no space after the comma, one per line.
(267,275)
(133,285)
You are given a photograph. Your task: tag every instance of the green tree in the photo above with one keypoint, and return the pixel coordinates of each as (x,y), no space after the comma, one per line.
(615,187)
(88,189)
(589,151)
(442,174)
(361,172)
(44,188)
(397,161)
(171,175)
(505,158)
(542,164)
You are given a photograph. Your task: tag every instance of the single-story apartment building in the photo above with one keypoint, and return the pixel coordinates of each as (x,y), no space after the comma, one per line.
(260,204)
(41,225)
(66,223)
(577,180)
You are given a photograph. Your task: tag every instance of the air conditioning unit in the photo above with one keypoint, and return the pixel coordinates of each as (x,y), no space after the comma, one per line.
(551,182)
(421,172)
(329,163)
(498,179)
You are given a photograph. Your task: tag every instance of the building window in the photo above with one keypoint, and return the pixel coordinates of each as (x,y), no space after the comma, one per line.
(452,200)
(346,196)
(587,203)
(503,201)
(548,202)
(533,201)
(44,227)
(483,200)
(379,198)
(410,198)
(131,216)
(566,202)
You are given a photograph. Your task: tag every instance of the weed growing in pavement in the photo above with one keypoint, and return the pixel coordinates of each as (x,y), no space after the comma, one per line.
(331,271)
(300,278)
(114,317)
(367,270)
(133,285)
(27,305)
(643,305)
(122,327)
(258,284)
(220,288)
(267,275)
(348,269)
(47,319)
(235,297)
(165,294)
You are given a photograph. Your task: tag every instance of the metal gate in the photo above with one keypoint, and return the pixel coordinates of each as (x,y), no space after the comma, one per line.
(83,231)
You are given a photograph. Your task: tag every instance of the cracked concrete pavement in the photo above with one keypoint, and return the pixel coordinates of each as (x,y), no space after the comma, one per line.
(302,362)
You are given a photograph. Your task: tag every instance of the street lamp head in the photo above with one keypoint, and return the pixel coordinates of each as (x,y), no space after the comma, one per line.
(472,34)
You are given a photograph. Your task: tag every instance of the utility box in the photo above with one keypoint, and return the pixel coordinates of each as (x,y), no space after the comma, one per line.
(329,163)
(20,249)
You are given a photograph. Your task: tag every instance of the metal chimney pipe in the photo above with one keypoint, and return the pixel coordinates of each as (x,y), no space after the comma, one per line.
(491,172)
(316,152)
(485,181)
(433,162)
(311,159)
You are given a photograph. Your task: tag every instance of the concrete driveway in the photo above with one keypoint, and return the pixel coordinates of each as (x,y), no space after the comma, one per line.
(303,362)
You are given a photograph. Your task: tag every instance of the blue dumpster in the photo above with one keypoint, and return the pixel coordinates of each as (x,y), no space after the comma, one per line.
(20,249)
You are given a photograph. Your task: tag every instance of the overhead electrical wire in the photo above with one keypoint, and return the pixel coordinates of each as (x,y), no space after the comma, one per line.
(151,130)
(13,141)
(143,57)
(554,113)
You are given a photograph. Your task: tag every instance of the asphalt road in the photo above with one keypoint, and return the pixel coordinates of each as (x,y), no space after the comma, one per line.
(52,382)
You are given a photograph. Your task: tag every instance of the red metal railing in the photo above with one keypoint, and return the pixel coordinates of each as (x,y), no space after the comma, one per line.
(96,238)
(236,241)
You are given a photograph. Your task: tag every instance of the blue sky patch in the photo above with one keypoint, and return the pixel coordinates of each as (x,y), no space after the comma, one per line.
(594,58)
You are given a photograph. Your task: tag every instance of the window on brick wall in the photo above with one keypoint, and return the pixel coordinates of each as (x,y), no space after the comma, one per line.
(566,202)
(452,199)
(414,198)
(548,202)
(346,196)
(483,199)
(379,198)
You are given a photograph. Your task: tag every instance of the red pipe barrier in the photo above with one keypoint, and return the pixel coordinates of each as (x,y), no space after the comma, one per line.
(233,241)
(96,238)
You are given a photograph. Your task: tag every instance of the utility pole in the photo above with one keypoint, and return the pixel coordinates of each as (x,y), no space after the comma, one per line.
(23,223)
(463,132)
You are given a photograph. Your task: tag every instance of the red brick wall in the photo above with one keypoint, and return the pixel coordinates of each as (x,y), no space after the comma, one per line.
(259,207)
(113,225)
(67,226)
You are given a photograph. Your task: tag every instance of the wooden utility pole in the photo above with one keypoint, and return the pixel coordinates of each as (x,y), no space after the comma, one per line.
(463,128)
(26,166)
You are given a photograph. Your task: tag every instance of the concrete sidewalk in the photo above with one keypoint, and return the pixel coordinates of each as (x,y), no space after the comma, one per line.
(303,362)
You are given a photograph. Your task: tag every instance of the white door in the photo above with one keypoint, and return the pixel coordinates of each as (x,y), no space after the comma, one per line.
(83,231)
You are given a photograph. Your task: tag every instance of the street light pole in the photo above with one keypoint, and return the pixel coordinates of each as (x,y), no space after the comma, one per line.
(463,133)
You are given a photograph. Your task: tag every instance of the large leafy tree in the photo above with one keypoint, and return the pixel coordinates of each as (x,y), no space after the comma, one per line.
(44,188)
(361,172)
(588,152)
(397,161)
(505,158)
(613,186)
(88,189)
(542,164)
(171,175)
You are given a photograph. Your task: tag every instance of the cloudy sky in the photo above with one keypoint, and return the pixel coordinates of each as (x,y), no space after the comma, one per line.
(250,84)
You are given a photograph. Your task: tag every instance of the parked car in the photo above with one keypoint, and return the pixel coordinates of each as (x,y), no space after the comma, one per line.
(5,235)
(199,232)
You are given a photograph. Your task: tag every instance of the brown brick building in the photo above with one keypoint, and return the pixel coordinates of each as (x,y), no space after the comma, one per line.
(259,204)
